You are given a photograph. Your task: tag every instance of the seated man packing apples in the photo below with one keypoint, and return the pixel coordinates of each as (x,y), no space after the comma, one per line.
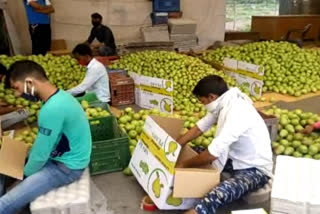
(241,146)
(62,147)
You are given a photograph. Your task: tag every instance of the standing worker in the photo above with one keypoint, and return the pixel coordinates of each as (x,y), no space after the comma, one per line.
(242,144)
(38,13)
(104,35)
(96,79)
(62,148)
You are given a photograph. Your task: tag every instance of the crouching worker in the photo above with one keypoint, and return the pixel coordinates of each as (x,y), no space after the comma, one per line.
(62,148)
(241,147)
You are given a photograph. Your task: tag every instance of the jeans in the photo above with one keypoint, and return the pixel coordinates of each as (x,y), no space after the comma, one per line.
(51,176)
(241,183)
(41,38)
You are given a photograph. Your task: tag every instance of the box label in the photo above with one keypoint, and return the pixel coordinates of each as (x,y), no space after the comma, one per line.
(153,93)
(246,74)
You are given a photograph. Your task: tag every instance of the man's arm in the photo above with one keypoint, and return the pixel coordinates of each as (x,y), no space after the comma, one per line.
(202,126)
(88,81)
(41,9)
(91,37)
(47,10)
(202,159)
(50,129)
(189,136)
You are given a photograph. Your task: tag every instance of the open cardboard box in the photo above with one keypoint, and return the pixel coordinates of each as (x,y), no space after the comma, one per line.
(12,156)
(153,164)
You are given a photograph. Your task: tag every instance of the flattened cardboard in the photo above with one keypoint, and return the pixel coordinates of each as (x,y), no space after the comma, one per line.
(12,158)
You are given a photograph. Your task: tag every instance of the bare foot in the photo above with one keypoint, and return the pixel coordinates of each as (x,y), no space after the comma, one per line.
(191,212)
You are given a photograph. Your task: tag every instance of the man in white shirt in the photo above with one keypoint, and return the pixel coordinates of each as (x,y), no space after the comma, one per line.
(96,79)
(242,144)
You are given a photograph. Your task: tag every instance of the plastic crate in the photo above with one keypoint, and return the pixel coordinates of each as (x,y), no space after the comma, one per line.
(110,155)
(89,97)
(166,5)
(159,18)
(117,71)
(272,125)
(102,127)
(122,89)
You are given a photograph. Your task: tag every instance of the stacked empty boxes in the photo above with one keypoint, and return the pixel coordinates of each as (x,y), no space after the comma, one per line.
(158,33)
(296,187)
(183,33)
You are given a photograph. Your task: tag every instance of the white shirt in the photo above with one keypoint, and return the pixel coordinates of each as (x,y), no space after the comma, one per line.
(243,136)
(96,81)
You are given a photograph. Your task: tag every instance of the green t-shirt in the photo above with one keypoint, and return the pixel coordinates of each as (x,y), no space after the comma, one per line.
(64,135)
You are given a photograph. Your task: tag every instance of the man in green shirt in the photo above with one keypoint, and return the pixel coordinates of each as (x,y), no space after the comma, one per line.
(62,148)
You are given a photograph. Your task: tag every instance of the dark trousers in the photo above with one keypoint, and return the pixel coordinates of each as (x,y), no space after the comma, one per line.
(41,38)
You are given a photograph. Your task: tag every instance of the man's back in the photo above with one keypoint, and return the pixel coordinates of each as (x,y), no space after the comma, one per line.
(103,35)
(64,134)
(101,86)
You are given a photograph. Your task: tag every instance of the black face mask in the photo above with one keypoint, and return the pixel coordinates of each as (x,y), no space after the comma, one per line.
(95,24)
(30,97)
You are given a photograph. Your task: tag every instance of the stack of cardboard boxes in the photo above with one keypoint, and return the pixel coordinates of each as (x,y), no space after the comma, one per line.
(183,33)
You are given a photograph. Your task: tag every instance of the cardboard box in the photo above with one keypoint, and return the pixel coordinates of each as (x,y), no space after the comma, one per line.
(296,188)
(153,164)
(153,93)
(155,34)
(246,74)
(182,26)
(12,156)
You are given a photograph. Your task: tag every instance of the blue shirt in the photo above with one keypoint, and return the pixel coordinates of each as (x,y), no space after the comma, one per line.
(64,135)
(35,17)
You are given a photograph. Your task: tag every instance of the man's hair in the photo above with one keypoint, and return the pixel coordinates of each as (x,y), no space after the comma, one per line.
(96,16)
(20,70)
(3,70)
(82,50)
(212,84)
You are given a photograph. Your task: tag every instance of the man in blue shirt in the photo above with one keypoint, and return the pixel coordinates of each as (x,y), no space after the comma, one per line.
(38,12)
(62,148)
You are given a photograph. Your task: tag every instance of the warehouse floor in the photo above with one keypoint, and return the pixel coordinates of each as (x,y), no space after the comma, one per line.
(124,194)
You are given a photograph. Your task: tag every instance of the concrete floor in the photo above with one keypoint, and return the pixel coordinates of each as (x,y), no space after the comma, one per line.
(124,194)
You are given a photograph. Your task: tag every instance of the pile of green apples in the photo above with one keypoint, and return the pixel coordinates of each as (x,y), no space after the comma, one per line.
(185,71)
(28,136)
(93,112)
(62,71)
(290,139)
(132,123)
(288,69)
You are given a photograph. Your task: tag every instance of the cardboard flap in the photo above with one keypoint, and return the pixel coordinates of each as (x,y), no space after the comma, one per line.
(198,182)
(171,125)
(12,158)
(186,153)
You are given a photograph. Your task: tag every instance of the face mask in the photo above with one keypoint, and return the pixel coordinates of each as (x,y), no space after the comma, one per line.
(95,24)
(82,62)
(31,97)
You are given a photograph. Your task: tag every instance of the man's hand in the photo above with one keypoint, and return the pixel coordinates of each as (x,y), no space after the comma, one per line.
(41,9)
(308,129)
(189,136)
(200,160)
